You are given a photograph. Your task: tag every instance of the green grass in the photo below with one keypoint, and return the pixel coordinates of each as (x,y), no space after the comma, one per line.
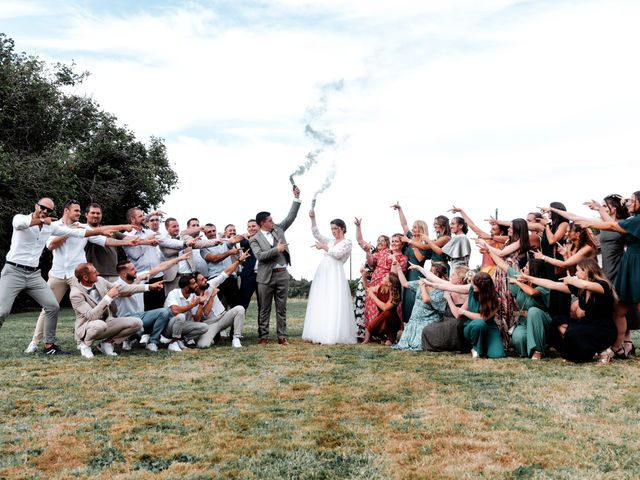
(307,411)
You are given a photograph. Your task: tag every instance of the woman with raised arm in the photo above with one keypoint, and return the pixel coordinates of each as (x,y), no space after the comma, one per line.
(386,297)
(514,254)
(497,237)
(443,235)
(429,306)
(529,336)
(553,235)
(480,309)
(329,318)
(458,249)
(627,281)
(380,261)
(447,335)
(580,340)
(415,251)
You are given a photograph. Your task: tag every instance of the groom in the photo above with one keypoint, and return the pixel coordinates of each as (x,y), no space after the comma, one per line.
(270,249)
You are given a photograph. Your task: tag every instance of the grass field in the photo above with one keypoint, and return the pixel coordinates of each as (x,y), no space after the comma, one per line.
(307,411)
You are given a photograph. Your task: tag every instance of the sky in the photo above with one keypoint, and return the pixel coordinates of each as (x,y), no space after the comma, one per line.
(486,105)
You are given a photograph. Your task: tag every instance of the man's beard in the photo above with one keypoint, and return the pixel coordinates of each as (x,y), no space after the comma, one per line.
(131,278)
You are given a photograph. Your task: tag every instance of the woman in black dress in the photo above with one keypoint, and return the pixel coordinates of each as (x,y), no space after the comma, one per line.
(581,340)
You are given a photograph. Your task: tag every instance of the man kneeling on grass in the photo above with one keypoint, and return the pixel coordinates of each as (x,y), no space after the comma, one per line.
(92,300)
(214,313)
(186,307)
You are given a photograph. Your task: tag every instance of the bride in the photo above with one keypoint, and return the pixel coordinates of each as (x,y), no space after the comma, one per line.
(329,318)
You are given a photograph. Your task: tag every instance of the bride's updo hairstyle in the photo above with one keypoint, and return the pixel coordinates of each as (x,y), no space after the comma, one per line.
(340,224)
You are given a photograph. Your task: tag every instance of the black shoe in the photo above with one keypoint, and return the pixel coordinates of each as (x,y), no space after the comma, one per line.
(54,350)
(191,344)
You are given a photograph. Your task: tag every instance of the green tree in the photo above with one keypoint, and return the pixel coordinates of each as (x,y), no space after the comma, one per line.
(59,144)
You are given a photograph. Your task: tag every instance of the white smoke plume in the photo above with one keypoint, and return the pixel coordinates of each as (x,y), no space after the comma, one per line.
(324,138)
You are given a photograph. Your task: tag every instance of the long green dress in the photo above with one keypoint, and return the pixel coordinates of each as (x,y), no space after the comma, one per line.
(483,335)
(628,279)
(533,323)
(409,295)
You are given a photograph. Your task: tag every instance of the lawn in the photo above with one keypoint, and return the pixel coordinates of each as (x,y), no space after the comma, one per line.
(308,411)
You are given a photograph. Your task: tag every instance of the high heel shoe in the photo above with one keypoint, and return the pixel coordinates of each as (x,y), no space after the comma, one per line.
(632,350)
(605,356)
(619,353)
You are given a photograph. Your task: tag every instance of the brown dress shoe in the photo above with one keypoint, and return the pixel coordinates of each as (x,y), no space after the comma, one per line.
(283,341)
(263,341)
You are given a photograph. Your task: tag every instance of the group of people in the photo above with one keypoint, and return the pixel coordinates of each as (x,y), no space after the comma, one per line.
(132,284)
(540,286)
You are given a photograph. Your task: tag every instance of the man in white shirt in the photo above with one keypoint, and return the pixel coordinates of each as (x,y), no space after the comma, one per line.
(68,253)
(153,321)
(215,315)
(21,271)
(186,308)
(219,258)
(146,255)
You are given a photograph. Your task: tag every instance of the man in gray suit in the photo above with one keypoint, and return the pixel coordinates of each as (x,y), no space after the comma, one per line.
(269,246)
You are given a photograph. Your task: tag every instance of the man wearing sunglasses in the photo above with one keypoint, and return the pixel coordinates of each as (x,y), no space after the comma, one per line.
(21,271)
(68,253)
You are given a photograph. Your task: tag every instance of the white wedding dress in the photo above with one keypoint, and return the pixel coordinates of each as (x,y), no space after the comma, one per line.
(329,318)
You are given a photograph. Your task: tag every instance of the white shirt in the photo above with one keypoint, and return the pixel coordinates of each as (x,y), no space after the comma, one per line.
(218,308)
(27,242)
(146,257)
(131,304)
(175,297)
(71,252)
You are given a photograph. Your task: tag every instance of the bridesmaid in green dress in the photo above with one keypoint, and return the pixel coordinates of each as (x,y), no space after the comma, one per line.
(480,309)
(443,235)
(529,336)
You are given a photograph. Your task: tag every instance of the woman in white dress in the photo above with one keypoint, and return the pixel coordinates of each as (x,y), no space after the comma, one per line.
(329,318)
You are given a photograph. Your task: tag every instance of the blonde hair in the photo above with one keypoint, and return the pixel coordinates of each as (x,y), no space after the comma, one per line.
(422,226)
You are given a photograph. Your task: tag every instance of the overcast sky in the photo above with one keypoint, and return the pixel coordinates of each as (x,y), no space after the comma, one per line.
(485,105)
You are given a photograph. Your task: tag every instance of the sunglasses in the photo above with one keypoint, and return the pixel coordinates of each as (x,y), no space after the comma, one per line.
(47,209)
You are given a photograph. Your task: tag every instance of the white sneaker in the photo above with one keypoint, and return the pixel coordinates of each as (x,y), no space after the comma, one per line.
(474,354)
(152,347)
(181,345)
(144,340)
(32,348)
(85,350)
(164,339)
(235,343)
(174,347)
(126,345)
(107,349)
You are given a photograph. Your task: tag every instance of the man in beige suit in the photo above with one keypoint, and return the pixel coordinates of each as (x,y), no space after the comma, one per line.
(92,300)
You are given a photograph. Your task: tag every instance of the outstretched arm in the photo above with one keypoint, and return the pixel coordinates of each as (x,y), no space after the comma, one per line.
(543,282)
(481,233)
(611,226)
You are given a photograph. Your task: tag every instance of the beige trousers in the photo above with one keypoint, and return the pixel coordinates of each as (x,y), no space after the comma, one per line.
(59,286)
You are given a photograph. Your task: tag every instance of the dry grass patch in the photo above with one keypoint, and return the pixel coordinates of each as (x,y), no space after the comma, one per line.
(308,411)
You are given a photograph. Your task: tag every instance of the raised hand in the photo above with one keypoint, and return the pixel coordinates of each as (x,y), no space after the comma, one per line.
(156,286)
(455,209)
(592,204)
(396,206)
(358,221)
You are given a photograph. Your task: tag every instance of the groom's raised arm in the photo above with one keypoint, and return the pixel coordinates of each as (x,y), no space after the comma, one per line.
(293,211)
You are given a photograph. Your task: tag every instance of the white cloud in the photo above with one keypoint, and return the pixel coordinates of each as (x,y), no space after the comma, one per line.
(482,104)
